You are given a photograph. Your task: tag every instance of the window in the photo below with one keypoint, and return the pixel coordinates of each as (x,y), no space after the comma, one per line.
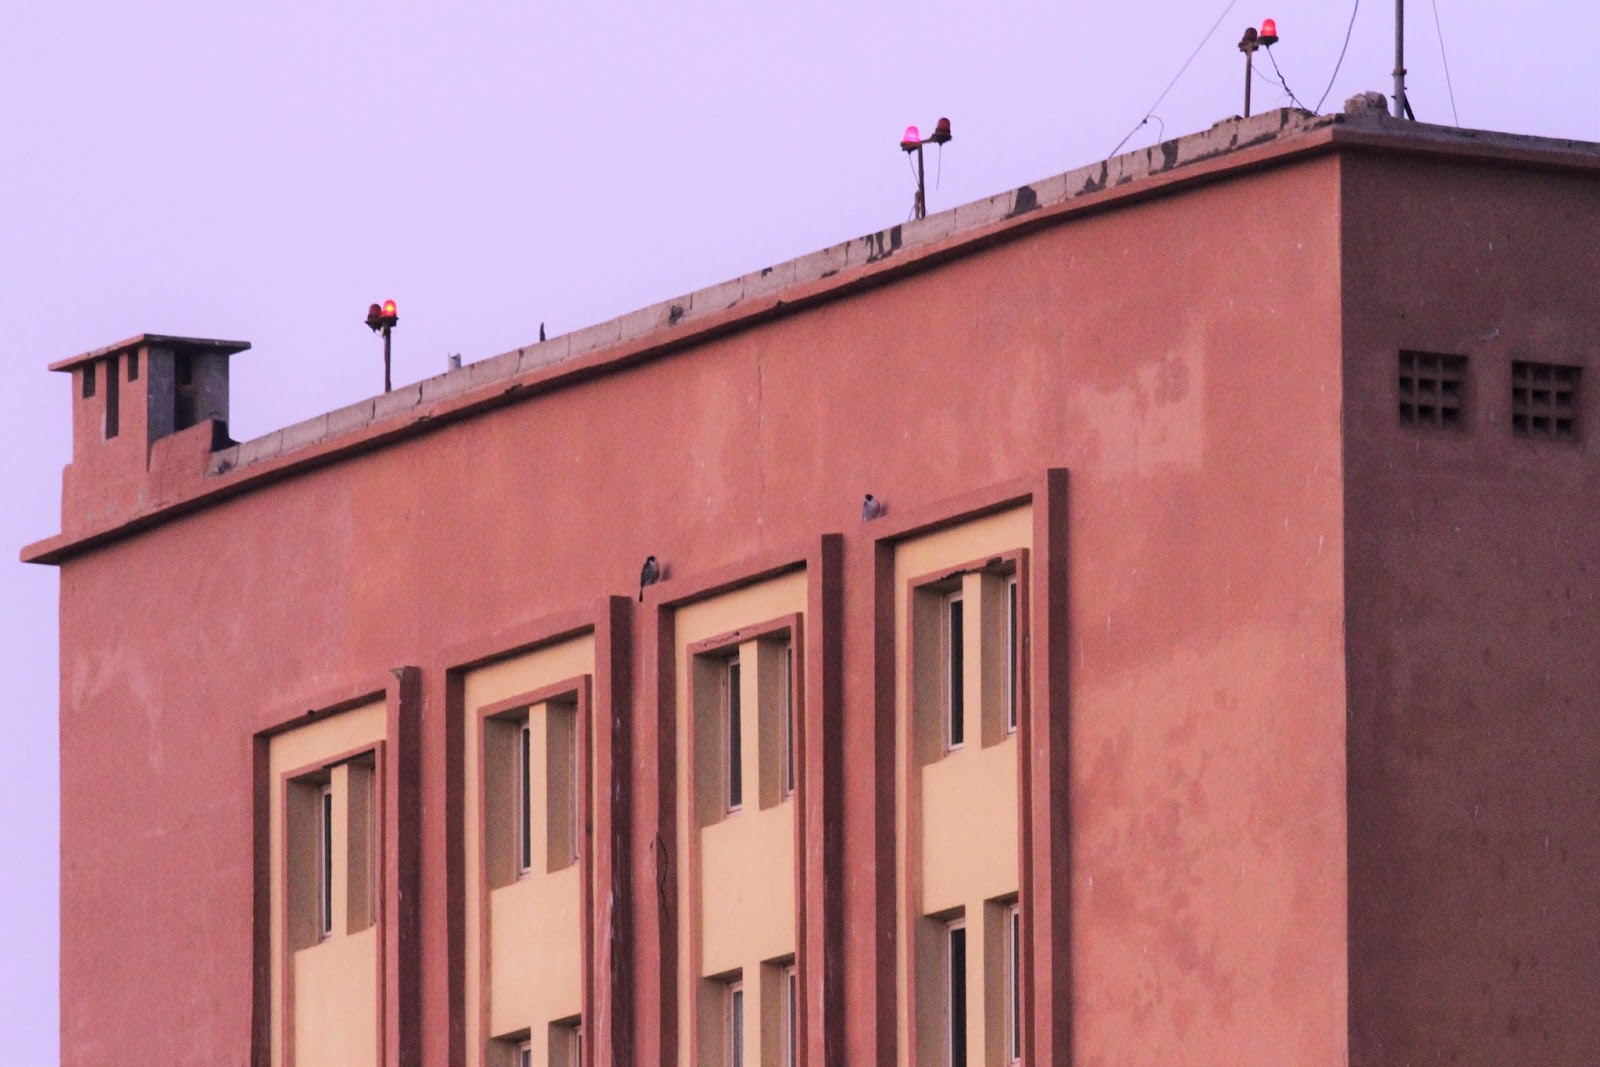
(789,1024)
(562,794)
(566,1043)
(523,804)
(1544,401)
(88,380)
(1012,653)
(786,722)
(133,364)
(325,861)
(525,1054)
(533,792)
(956,990)
(735,1024)
(1013,932)
(332,835)
(733,739)
(954,673)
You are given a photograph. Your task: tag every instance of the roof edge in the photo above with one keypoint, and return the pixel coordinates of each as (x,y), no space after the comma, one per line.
(165,340)
(1230,147)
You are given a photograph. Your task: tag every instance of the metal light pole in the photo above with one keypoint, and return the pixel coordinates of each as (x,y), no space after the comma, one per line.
(1402,106)
(912,141)
(382,319)
(1248,45)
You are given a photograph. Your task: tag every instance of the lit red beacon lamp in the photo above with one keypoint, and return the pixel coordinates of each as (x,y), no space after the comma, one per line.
(911,140)
(381,315)
(1269,32)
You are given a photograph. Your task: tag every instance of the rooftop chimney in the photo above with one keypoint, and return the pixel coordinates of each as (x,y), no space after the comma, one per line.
(141,405)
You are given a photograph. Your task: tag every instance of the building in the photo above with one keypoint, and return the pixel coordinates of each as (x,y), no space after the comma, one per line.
(1218,686)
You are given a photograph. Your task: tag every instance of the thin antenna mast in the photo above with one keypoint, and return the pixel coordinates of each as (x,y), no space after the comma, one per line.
(1402,106)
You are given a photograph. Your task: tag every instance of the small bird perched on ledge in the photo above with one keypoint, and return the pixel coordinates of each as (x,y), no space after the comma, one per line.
(872,508)
(649,574)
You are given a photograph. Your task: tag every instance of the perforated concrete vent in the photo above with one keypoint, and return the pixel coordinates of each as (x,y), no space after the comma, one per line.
(1433,390)
(1544,401)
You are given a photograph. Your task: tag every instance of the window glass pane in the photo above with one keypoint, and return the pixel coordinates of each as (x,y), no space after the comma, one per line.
(736,1027)
(735,740)
(325,864)
(1014,975)
(576,801)
(524,797)
(1011,654)
(786,705)
(958,996)
(955,674)
(791,997)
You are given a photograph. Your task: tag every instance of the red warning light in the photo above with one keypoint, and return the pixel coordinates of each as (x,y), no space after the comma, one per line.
(389,310)
(911,138)
(1269,31)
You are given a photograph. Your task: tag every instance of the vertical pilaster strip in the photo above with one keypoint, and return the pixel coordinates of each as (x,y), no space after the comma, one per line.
(447,992)
(402,821)
(261,926)
(884,864)
(822,919)
(607,1017)
(1047,885)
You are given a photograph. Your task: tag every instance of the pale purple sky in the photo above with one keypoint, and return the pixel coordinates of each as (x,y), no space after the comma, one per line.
(263,172)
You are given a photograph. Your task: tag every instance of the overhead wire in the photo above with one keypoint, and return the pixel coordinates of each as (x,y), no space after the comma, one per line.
(1342,51)
(1438,29)
(1174,80)
(1292,98)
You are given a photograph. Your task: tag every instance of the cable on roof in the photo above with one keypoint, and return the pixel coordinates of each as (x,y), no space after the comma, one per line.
(1446,59)
(1342,51)
(1174,80)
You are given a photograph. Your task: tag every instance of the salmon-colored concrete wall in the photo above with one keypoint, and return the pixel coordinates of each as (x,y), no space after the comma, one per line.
(1179,356)
(1474,634)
